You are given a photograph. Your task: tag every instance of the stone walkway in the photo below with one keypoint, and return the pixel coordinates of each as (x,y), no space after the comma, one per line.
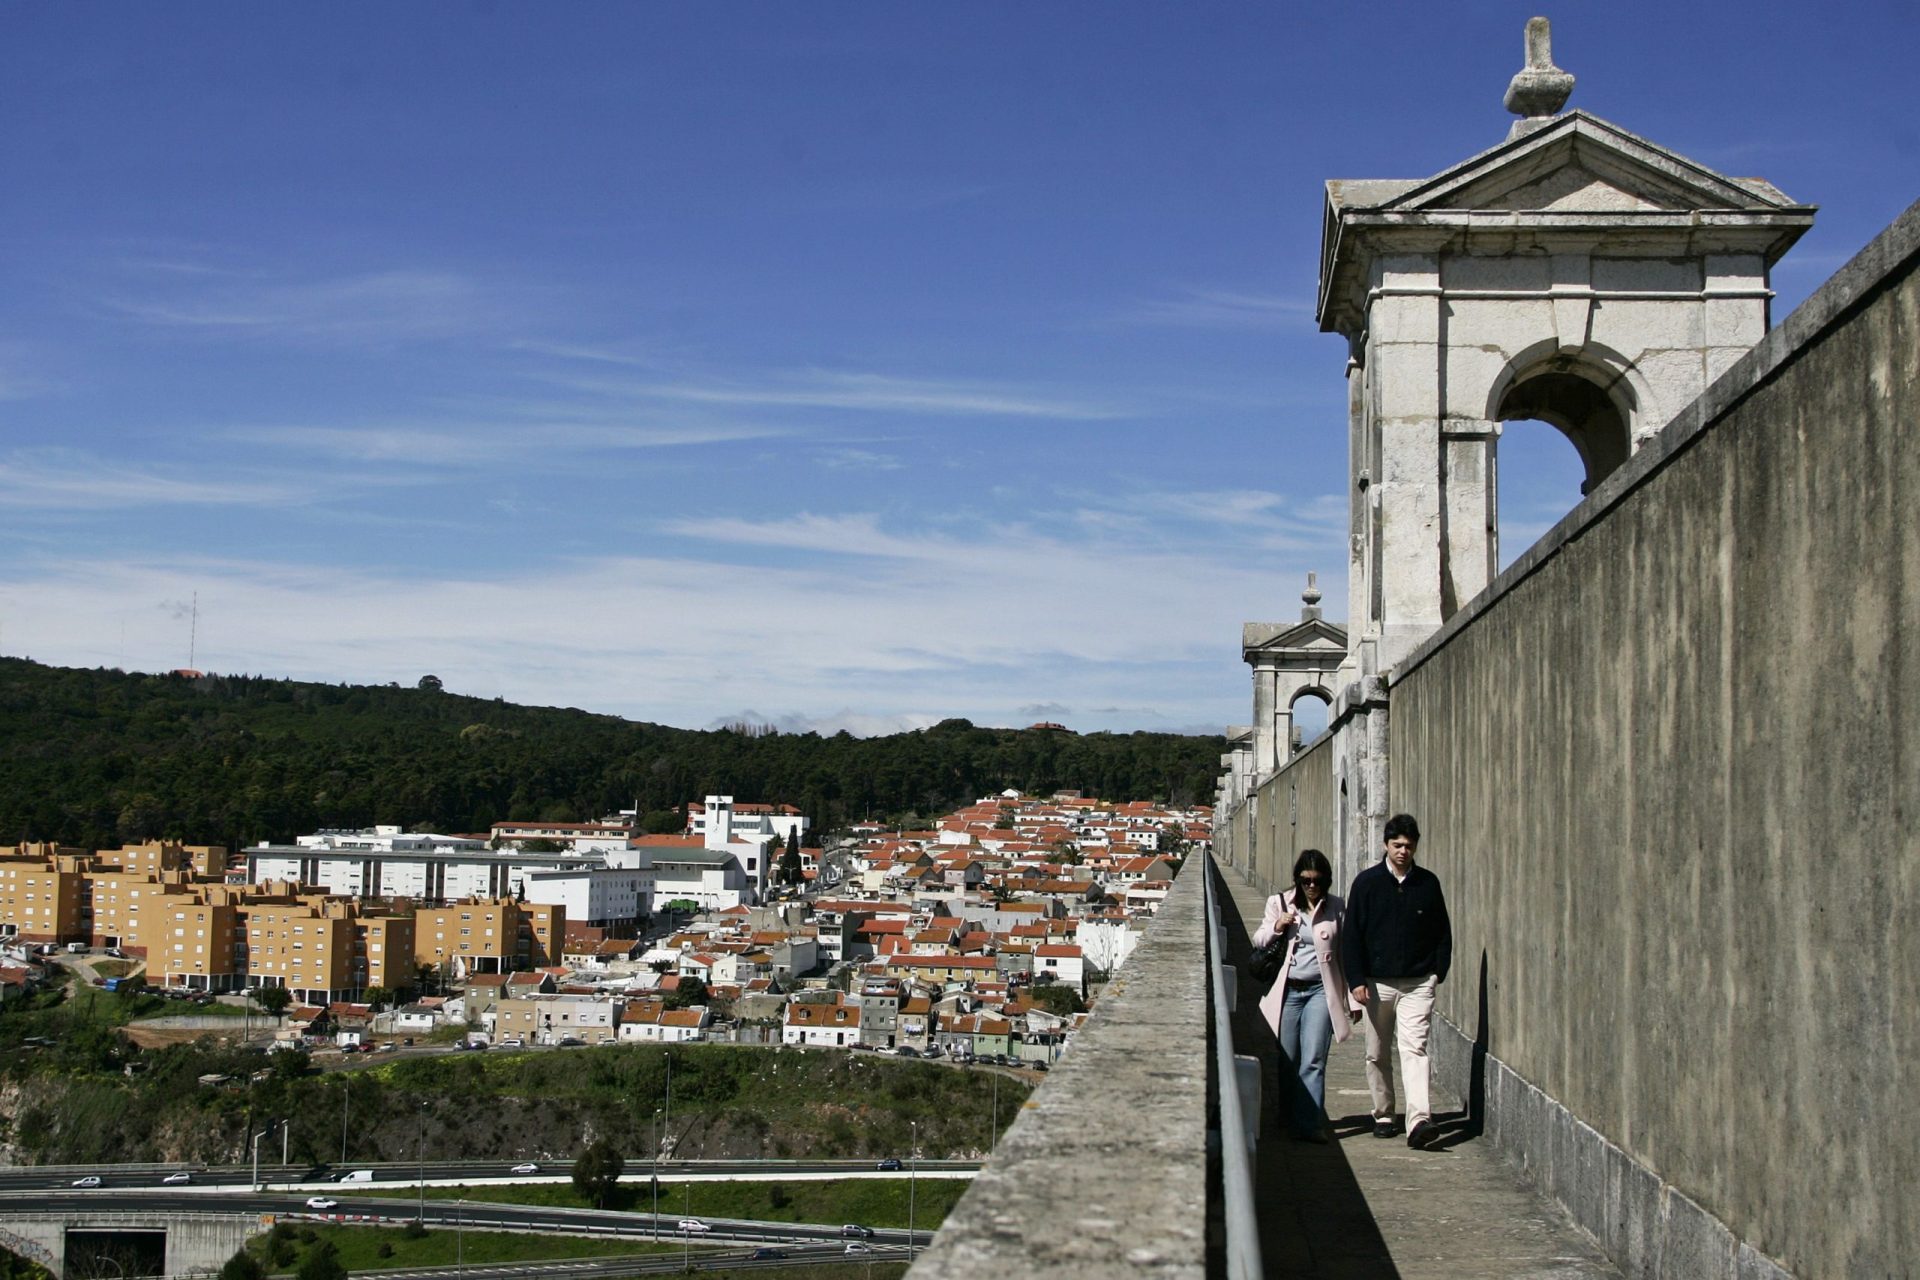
(1363,1207)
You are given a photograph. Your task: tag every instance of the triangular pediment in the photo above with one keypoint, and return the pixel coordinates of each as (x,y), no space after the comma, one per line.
(1582,164)
(1313,633)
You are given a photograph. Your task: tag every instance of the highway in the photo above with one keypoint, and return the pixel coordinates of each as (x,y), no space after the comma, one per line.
(450,1173)
(442,1213)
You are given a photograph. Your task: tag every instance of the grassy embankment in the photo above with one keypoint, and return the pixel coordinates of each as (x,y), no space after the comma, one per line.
(382,1248)
(69,1098)
(876,1202)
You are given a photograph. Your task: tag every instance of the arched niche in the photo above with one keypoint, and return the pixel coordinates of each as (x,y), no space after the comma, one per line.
(1591,408)
(1308,712)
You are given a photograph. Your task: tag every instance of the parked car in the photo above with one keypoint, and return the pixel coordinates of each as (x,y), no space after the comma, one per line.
(529,1167)
(176,1180)
(91,1180)
(321,1202)
(511,1042)
(889,1165)
(933,1051)
(693,1224)
(908,1051)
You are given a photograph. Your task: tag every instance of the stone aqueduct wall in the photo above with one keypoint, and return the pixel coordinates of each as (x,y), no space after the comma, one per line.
(1292,810)
(1668,767)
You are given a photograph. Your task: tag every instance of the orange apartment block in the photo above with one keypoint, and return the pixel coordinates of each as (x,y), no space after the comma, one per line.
(200,944)
(129,907)
(43,894)
(207,861)
(489,935)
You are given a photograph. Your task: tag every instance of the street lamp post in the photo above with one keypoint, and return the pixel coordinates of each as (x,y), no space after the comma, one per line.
(255,1144)
(346,1082)
(686,1229)
(656,1175)
(420,1150)
(993,1134)
(913,1179)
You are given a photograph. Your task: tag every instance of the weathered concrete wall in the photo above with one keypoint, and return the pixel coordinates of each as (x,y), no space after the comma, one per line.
(196,1243)
(1294,811)
(1070,1192)
(1665,766)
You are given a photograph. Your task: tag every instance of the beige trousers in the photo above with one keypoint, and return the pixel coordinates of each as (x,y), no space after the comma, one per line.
(1399,1016)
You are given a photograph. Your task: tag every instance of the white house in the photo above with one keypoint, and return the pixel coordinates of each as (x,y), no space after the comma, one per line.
(819,1024)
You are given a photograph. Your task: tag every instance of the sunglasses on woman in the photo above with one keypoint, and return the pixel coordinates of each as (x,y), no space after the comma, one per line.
(1318,882)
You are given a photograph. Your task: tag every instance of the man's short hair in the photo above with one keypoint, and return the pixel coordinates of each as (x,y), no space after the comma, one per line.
(1402,824)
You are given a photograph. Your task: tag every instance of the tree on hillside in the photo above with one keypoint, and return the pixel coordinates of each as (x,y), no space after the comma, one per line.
(689,992)
(243,1265)
(596,1172)
(431,683)
(790,868)
(273,999)
(321,1263)
(377,996)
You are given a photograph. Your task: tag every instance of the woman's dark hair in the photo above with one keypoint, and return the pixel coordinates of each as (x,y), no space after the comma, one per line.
(1314,860)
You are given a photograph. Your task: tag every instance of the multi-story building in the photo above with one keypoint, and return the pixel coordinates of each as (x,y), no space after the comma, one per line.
(489,935)
(43,894)
(549,1019)
(200,943)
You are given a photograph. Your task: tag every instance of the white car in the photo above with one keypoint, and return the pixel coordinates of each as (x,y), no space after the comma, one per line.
(513,1042)
(693,1224)
(176,1180)
(529,1167)
(91,1180)
(859,1246)
(321,1202)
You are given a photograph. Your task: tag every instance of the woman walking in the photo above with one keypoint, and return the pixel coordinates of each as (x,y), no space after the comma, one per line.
(1309,986)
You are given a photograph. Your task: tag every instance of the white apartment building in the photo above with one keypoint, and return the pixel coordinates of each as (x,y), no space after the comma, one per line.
(603,897)
(745,820)
(384,862)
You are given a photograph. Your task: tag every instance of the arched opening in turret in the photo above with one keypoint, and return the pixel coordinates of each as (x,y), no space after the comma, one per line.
(1537,479)
(1309,712)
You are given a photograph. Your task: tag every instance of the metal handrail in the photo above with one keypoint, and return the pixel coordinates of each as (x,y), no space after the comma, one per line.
(1236,1169)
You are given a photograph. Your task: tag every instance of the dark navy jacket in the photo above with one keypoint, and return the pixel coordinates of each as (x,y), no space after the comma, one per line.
(1395,929)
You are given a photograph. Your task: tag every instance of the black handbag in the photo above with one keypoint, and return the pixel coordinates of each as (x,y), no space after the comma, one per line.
(1265,962)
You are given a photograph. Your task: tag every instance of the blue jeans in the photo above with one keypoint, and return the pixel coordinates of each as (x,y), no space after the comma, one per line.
(1306,1031)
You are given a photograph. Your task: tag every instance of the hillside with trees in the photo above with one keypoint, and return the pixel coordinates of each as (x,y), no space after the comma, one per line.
(96,757)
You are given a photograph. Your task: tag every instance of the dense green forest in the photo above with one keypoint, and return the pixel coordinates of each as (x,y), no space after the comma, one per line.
(95,757)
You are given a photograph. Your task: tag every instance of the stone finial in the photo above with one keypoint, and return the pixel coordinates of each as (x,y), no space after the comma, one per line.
(1540,89)
(1312,598)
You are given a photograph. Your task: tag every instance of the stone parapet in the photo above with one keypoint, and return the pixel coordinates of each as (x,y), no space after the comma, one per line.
(1073,1191)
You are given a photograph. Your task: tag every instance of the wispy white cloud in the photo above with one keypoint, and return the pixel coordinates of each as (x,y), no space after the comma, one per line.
(856,391)
(484,444)
(849,459)
(378,306)
(929,627)
(62,480)
(1217,309)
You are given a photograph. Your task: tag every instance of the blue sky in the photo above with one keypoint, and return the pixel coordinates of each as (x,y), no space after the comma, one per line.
(850,365)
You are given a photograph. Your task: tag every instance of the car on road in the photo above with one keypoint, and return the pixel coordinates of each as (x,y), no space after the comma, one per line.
(91,1180)
(907,1051)
(321,1202)
(767,1254)
(859,1246)
(529,1167)
(855,1229)
(176,1180)
(890,1165)
(693,1224)
(571,1042)
(513,1042)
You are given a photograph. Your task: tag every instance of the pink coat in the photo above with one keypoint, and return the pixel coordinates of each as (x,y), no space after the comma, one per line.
(1326,942)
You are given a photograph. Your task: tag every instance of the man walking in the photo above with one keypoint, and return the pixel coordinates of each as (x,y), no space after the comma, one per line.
(1396,947)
